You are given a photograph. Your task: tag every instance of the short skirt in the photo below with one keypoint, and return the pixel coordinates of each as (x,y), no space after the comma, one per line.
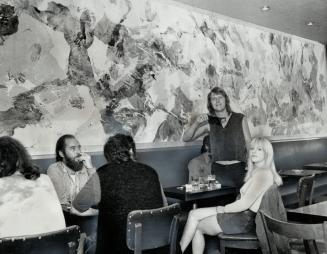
(237,223)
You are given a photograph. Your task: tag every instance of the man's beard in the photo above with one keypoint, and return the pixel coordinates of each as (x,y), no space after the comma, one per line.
(74,165)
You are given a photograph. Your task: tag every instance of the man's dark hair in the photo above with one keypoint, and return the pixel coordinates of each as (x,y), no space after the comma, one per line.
(60,146)
(217,90)
(14,157)
(117,148)
(205,144)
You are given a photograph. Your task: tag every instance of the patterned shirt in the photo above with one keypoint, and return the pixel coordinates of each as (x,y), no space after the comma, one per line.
(28,207)
(67,182)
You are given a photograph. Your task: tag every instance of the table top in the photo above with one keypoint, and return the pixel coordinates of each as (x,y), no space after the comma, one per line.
(316,165)
(300,172)
(319,209)
(179,193)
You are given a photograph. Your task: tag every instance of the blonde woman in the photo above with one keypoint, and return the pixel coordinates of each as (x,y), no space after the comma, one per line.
(237,217)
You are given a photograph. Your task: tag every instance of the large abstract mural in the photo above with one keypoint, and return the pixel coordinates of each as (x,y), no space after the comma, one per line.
(95,68)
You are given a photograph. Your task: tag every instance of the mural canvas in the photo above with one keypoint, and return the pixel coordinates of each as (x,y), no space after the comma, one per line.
(95,68)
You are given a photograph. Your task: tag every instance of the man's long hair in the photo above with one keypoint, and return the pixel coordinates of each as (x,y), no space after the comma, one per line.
(14,157)
(117,148)
(218,90)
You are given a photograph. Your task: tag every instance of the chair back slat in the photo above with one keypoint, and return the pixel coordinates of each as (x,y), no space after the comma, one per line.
(298,231)
(154,225)
(290,230)
(305,190)
(58,242)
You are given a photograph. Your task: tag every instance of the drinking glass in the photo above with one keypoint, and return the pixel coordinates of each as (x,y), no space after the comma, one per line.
(211,181)
(195,183)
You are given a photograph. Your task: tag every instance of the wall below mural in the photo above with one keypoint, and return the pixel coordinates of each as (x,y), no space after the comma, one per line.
(95,68)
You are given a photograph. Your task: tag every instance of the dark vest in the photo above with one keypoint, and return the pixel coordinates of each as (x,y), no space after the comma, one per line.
(124,188)
(227,143)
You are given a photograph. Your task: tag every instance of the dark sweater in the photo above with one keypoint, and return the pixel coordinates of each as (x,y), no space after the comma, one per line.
(124,187)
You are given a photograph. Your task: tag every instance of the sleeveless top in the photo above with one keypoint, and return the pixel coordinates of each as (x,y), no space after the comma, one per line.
(227,143)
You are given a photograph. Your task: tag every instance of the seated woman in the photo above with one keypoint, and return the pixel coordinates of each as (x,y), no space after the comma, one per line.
(237,217)
(28,201)
(119,187)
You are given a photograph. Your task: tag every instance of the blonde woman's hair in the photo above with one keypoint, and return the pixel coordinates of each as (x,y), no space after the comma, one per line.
(269,159)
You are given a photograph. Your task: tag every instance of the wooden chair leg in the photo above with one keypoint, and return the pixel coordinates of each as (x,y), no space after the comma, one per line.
(222,247)
(81,242)
(138,238)
(173,234)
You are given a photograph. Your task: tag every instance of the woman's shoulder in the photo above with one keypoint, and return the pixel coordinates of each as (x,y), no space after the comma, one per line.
(263,175)
(264,172)
(42,182)
(43,178)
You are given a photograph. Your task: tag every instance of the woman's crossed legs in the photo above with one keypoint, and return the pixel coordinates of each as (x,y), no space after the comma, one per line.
(199,222)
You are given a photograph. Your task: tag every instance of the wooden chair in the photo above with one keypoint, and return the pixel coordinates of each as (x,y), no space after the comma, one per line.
(57,242)
(305,190)
(150,229)
(272,202)
(306,232)
(247,241)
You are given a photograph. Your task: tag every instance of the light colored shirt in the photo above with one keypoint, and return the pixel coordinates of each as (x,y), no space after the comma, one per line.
(252,192)
(67,182)
(28,207)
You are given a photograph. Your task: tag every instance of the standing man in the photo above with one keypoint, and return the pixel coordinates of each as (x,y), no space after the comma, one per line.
(71,170)
(229,136)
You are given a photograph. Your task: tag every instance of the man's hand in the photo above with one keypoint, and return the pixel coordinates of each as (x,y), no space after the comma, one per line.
(202,118)
(220,209)
(88,212)
(86,160)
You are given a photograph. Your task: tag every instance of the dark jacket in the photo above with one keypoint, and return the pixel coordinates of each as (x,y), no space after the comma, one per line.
(272,205)
(124,187)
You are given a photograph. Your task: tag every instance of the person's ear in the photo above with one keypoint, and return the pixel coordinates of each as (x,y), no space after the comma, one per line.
(61,154)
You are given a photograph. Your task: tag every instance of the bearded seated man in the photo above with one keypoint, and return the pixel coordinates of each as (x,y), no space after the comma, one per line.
(69,174)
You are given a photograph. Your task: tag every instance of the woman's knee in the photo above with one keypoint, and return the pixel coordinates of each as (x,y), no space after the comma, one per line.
(193,215)
(200,213)
(209,226)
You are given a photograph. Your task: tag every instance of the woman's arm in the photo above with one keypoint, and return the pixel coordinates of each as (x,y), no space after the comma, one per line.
(89,195)
(198,128)
(260,183)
